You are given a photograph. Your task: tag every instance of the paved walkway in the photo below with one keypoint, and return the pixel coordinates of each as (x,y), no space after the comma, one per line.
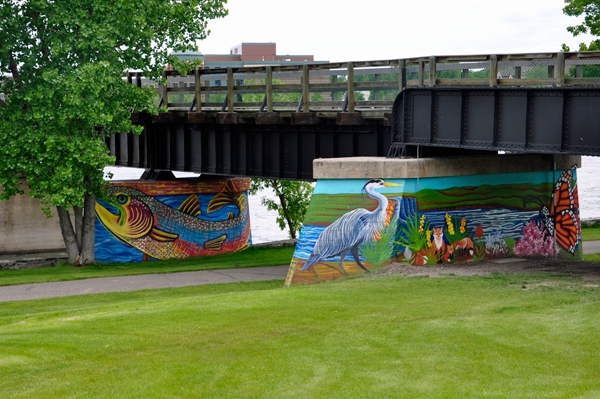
(591,247)
(140,282)
(167,280)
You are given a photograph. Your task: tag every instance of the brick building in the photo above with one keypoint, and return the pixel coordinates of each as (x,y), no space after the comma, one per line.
(247,54)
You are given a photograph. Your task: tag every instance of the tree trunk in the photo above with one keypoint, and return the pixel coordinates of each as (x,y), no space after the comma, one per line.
(78,223)
(284,208)
(88,230)
(69,237)
(79,241)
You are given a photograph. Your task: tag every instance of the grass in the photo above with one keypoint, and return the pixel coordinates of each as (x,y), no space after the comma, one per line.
(517,336)
(250,258)
(590,233)
(591,257)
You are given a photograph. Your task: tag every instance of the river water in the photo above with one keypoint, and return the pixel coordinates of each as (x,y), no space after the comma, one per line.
(265,228)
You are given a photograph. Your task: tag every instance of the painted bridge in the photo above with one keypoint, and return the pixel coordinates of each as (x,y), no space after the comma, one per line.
(273,121)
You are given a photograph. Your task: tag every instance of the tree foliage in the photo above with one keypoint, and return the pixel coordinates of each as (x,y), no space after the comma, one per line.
(62,68)
(294,197)
(590,9)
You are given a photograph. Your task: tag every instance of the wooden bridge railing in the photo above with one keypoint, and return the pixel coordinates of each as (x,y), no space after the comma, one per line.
(368,87)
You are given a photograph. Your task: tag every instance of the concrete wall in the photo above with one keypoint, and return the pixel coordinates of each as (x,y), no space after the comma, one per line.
(24,227)
(436,210)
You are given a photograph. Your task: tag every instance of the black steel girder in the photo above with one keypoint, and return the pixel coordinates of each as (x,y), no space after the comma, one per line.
(279,151)
(530,120)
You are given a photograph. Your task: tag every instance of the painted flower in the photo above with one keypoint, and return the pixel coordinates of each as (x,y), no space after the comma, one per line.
(428,233)
(463,223)
(450,225)
(479,231)
(535,242)
(421,224)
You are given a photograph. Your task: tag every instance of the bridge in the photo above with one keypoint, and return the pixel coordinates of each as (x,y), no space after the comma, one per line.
(273,121)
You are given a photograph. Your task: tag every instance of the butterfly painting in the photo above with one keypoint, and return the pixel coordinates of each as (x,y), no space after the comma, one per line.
(562,217)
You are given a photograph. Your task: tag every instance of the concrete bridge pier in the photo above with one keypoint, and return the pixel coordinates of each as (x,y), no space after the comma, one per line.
(442,210)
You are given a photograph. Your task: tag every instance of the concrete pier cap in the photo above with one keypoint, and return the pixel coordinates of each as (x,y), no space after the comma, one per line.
(410,168)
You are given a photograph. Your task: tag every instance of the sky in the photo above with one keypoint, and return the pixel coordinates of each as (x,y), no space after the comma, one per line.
(387,29)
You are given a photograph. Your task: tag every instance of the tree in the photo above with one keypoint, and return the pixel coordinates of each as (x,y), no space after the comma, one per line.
(62,65)
(294,197)
(591,23)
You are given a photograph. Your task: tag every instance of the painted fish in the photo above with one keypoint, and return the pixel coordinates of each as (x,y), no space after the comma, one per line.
(163,232)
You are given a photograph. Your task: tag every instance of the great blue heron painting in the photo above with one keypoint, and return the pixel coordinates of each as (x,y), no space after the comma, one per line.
(352,229)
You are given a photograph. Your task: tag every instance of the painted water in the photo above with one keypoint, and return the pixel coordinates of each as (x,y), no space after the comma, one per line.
(265,228)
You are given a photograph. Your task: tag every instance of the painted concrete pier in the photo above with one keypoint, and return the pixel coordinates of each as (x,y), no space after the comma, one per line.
(436,210)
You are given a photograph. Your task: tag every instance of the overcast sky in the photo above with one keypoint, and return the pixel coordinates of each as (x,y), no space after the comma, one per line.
(386,29)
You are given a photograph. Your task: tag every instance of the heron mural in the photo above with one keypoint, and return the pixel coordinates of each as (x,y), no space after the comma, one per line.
(435,221)
(352,229)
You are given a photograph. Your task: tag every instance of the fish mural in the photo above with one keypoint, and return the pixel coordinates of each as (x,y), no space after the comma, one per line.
(436,221)
(149,224)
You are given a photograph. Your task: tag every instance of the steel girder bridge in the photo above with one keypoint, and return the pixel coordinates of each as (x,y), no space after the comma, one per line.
(272,121)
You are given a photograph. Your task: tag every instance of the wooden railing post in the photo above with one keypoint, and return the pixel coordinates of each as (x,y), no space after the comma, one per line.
(421,73)
(432,71)
(377,92)
(305,88)
(269,89)
(138,79)
(164,91)
(230,83)
(350,87)
(401,66)
(493,70)
(198,88)
(464,74)
(334,94)
(518,72)
(560,69)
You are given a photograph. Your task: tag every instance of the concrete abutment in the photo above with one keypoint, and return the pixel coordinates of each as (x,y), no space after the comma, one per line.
(440,210)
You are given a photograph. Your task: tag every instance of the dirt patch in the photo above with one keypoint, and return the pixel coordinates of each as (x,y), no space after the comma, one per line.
(584,270)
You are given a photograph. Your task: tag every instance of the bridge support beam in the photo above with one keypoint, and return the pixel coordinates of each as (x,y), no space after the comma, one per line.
(442,210)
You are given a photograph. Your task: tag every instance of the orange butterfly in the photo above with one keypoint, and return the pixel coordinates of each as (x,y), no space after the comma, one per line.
(563,215)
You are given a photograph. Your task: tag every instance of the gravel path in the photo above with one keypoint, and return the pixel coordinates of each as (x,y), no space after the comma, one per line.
(585,270)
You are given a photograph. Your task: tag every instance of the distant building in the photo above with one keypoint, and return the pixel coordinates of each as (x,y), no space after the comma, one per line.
(247,54)
(255,54)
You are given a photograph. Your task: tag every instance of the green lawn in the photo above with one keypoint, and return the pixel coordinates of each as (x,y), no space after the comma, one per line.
(250,258)
(519,336)
(590,234)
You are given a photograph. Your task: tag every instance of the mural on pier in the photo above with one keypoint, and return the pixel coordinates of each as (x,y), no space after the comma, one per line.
(172,219)
(353,226)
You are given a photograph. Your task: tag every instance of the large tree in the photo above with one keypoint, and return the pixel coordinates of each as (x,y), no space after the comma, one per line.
(294,198)
(590,9)
(62,65)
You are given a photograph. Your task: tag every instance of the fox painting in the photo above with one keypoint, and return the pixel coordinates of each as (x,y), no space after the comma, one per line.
(443,252)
